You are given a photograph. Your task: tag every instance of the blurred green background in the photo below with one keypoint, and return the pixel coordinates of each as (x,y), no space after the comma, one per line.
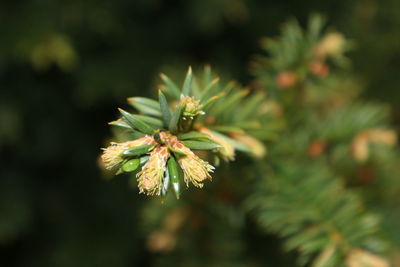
(66,65)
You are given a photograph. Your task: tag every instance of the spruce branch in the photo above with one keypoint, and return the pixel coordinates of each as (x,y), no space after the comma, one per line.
(306,197)
(299,58)
(314,213)
(202,116)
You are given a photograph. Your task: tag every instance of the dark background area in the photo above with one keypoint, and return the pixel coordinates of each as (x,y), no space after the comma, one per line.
(65,66)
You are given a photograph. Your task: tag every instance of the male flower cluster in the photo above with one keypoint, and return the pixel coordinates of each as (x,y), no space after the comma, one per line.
(201,115)
(195,169)
(152,175)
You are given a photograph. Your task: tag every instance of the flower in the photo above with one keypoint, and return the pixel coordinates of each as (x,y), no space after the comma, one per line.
(151,177)
(330,45)
(359,146)
(319,68)
(257,148)
(195,170)
(286,79)
(112,155)
(359,258)
(192,106)
(227,151)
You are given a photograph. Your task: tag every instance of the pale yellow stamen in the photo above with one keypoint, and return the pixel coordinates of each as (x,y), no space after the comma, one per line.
(195,170)
(112,155)
(330,45)
(361,141)
(192,106)
(151,176)
(256,147)
(227,151)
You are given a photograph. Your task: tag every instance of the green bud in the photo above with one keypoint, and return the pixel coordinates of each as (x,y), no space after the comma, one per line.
(130,165)
(173,171)
(166,183)
(144,159)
